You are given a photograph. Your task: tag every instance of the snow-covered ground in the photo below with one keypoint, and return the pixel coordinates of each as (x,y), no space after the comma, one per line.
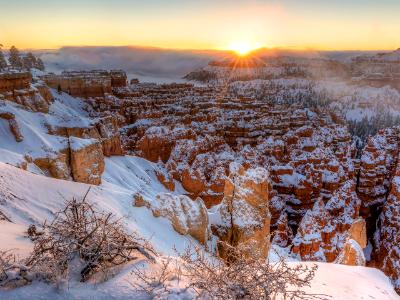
(30,198)
(37,142)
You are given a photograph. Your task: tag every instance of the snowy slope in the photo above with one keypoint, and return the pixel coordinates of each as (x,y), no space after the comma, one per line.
(335,282)
(28,198)
(64,111)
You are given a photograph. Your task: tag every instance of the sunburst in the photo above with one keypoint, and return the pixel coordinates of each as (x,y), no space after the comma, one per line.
(243,48)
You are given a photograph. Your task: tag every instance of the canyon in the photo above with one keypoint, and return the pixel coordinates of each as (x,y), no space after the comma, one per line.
(239,169)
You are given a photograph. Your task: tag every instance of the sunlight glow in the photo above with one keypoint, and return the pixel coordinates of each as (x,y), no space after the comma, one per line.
(243,48)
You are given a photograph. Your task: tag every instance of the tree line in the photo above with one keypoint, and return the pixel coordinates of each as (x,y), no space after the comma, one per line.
(16,60)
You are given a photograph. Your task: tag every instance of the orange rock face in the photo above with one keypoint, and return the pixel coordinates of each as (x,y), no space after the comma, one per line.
(351,254)
(87,160)
(378,162)
(86,84)
(13,124)
(324,229)
(17,87)
(15,81)
(244,215)
(158,142)
(166,180)
(388,250)
(56,166)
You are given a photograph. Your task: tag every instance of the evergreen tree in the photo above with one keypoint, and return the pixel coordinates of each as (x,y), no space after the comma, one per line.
(15,58)
(29,61)
(39,64)
(3,62)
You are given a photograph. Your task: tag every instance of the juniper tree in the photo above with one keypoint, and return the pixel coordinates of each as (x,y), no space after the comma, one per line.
(15,58)
(29,61)
(39,64)
(3,62)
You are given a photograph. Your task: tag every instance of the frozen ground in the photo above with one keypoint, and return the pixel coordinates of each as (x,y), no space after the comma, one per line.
(30,198)
(27,198)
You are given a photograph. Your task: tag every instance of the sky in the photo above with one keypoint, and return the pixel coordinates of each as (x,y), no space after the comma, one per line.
(202,24)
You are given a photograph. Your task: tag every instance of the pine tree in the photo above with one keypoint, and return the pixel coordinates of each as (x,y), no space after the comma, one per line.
(29,61)
(15,58)
(39,64)
(3,62)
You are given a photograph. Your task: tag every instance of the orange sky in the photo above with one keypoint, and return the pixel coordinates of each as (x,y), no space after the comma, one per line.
(361,25)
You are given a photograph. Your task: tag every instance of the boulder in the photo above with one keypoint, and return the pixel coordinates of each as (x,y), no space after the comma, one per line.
(187,217)
(55,165)
(87,160)
(15,130)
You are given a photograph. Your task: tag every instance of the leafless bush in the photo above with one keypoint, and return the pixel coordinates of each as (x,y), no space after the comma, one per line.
(161,281)
(244,277)
(83,240)
(12,272)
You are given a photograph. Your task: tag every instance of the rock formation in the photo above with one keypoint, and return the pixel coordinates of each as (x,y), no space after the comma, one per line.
(324,230)
(109,135)
(352,254)
(388,234)
(87,160)
(264,170)
(17,87)
(86,84)
(378,163)
(55,165)
(13,124)
(186,216)
(377,70)
(243,218)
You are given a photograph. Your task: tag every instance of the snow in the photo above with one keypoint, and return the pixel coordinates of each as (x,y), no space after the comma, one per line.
(28,198)
(13,237)
(78,143)
(342,282)
(11,158)
(34,126)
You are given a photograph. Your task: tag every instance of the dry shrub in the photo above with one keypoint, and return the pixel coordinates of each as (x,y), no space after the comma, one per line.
(87,239)
(246,276)
(80,241)
(12,272)
(161,281)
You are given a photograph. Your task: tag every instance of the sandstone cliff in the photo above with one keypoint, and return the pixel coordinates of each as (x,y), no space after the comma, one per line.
(87,160)
(243,219)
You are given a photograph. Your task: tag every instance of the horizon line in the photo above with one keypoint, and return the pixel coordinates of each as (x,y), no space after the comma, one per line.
(282,48)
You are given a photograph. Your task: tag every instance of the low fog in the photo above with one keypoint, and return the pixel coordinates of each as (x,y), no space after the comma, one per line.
(154,64)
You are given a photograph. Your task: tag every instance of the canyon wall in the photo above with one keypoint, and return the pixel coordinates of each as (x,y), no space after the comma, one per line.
(86,84)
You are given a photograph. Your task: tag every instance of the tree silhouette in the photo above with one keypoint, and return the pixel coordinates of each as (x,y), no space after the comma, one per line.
(3,62)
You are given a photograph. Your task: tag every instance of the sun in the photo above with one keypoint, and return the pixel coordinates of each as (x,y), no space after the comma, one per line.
(243,48)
